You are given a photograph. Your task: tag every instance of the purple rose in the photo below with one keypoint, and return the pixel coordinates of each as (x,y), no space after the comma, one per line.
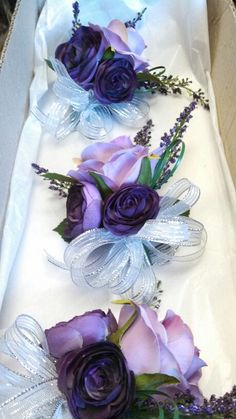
(91,327)
(81,54)
(115,81)
(152,346)
(118,162)
(96,382)
(126,210)
(84,207)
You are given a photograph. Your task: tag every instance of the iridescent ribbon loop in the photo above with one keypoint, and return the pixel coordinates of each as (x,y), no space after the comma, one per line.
(125,265)
(30,373)
(67,107)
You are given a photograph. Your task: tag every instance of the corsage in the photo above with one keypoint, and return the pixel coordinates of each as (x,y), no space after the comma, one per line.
(118,226)
(100,76)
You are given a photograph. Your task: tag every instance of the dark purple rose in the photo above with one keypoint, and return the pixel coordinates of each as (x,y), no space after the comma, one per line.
(81,54)
(127,210)
(91,327)
(96,382)
(115,81)
(83,210)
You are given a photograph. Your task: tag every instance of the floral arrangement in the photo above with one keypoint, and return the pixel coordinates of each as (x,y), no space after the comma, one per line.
(101,73)
(93,367)
(117,222)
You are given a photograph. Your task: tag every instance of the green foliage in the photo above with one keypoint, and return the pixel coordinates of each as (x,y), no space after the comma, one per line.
(145,175)
(61,228)
(101,185)
(49,64)
(108,54)
(117,336)
(58,177)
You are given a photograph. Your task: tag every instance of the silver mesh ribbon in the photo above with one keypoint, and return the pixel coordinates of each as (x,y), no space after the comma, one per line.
(67,107)
(28,377)
(125,264)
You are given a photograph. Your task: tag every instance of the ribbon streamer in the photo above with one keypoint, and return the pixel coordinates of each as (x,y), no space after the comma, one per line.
(67,107)
(125,264)
(28,377)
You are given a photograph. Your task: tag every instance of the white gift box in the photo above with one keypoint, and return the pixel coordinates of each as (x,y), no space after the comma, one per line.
(56,291)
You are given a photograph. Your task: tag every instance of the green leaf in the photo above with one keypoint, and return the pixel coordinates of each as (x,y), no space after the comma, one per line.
(146,76)
(151,382)
(186,213)
(145,175)
(49,64)
(108,54)
(59,177)
(164,161)
(101,185)
(176,413)
(117,336)
(159,67)
(161,413)
(61,228)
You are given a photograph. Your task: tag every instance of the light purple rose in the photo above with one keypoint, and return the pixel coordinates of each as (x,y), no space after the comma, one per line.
(118,162)
(167,346)
(125,41)
(91,327)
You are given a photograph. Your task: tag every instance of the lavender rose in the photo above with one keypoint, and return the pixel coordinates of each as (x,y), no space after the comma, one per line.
(127,42)
(126,210)
(81,54)
(91,327)
(96,382)
(115,81)
(83,206)
(164,347)
(118,162)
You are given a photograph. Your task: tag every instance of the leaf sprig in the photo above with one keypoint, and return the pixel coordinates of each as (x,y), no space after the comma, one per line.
(154,81)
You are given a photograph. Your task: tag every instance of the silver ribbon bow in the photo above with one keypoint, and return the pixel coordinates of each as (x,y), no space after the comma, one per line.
(125,265)
(28,377)
(67,107)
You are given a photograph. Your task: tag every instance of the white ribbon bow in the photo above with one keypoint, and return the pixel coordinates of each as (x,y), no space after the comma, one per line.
(125,264)
(67,107)
(28,377)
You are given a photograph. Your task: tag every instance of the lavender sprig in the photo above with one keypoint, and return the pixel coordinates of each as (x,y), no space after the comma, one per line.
(159,82)
(76,22)
(180,126)
(132,23)
(57,182)
(39,170)
(143,137)
(172,148)
(184,405)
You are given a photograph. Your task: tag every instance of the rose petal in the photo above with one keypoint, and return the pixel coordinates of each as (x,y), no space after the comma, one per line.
(120,165)
(63,339)
(168,362)
(139,344)
(194,373)
(123,141)
(100,151)
(119,28)
(156,324)
(91,193)
(115,40)
(179,337)
(135,41)
(93,326)
(132,175)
